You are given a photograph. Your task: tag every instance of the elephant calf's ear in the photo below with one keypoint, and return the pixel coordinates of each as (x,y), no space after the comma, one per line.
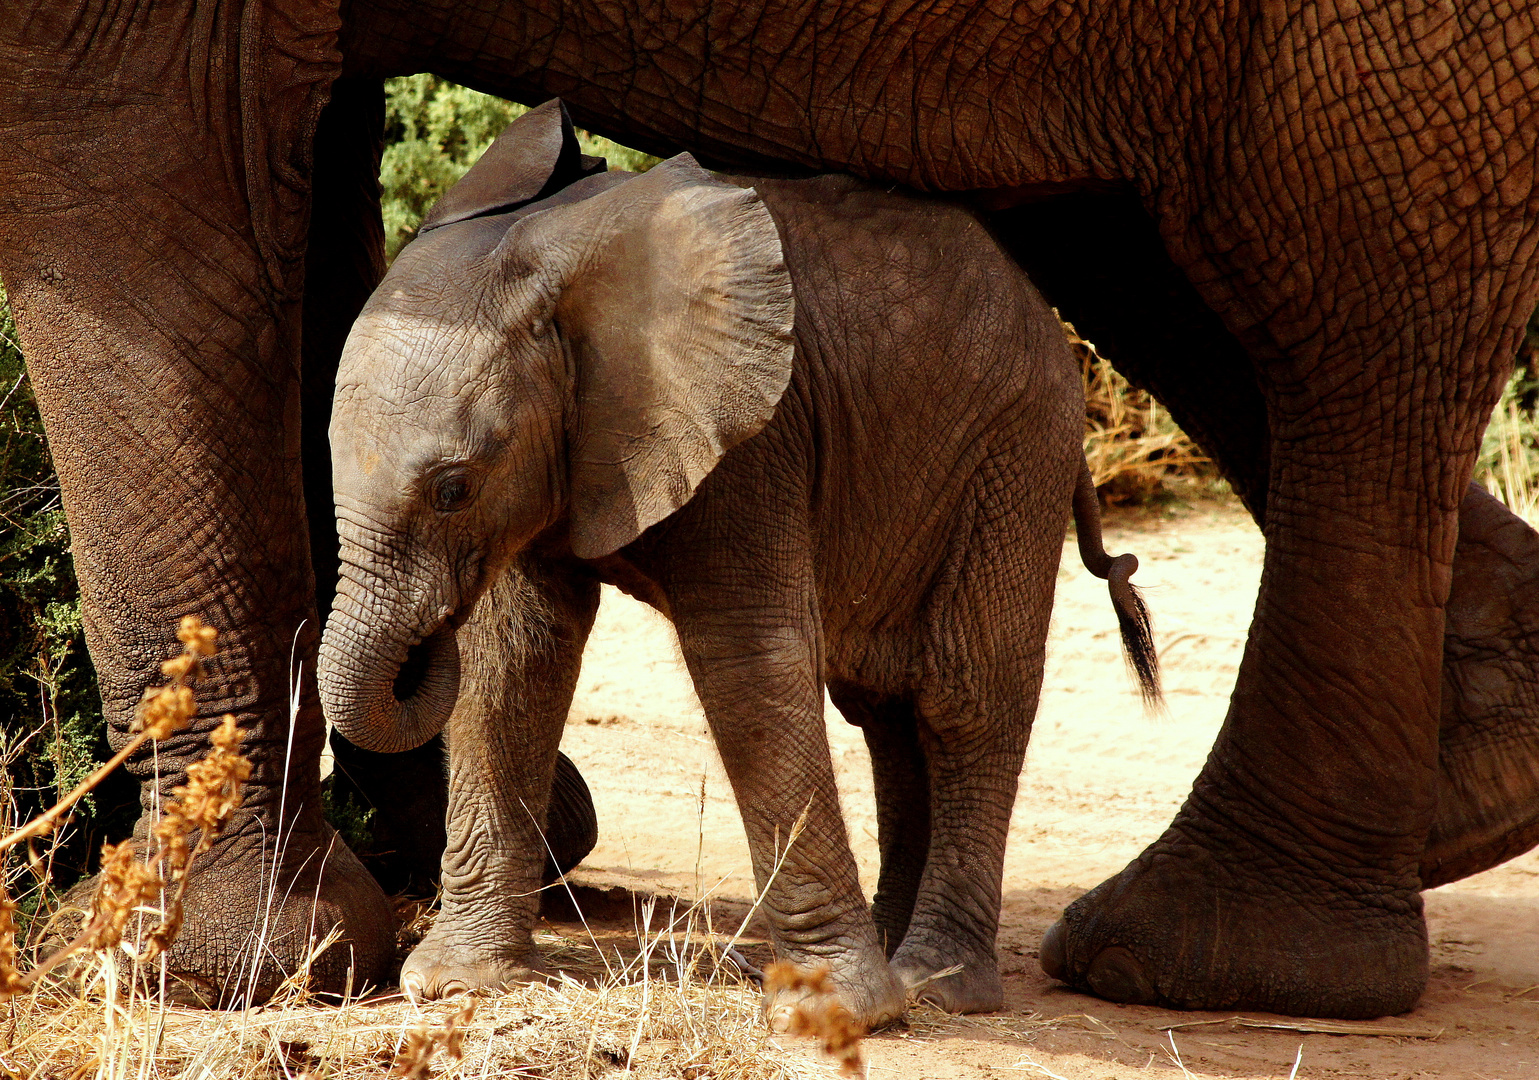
(680,312)
(536,156)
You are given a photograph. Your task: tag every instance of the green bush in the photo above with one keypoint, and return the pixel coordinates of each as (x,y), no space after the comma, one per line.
(435,131)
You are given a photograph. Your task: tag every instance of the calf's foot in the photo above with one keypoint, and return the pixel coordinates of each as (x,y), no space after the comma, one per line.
(862,980)
(447,963)
(977,987)
(1183,928)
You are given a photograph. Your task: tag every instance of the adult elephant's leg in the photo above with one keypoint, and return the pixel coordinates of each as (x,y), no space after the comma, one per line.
(902,784)
(1290,879)
(571,822)
(520,653)
(1488,791)
(158,300)
(1098,258)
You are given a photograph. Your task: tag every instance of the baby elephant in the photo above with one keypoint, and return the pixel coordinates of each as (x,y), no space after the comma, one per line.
(831,432)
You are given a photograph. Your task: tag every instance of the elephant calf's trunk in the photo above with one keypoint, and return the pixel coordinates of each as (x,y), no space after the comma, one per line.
(389,702)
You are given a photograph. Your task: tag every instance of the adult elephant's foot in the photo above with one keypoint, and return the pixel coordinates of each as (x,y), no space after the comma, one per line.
(1488,737)
(447,963)
(255,917)
(863,982)
(977,987)
(249,926)
(1182,929)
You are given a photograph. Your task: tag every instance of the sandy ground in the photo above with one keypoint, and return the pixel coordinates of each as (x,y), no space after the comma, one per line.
(1102,780)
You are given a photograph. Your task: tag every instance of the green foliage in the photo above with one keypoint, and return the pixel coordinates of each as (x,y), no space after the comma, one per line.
(51,728)
(353,821)
(435,131)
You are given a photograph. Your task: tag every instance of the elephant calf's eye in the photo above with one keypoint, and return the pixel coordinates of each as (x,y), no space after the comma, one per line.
(450,492)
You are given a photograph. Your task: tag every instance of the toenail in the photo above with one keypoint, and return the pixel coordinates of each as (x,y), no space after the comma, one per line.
(1117,976)
(1053,955)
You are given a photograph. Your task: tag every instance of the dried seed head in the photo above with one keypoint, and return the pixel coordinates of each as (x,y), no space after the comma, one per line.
(228,735)
(124,884)
(180,667)
(165,710)
(423,1041)
(784,975)
(454,1030)
(819,1013)
(411,1061)
(204,804)
(159,940)
(198,638)
(171,846)
(213,789)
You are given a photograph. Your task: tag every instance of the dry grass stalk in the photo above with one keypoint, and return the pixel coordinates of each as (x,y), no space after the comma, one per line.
(819,1013)
(11,981)
(1133,446)
(165,710)
(203,804)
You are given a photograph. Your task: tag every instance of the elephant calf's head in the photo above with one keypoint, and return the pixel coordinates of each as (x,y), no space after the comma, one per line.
(582,361)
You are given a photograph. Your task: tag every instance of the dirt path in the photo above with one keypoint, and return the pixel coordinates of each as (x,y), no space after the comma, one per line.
(1101,782)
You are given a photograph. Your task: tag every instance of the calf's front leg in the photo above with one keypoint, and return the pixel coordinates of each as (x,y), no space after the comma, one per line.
(520,654)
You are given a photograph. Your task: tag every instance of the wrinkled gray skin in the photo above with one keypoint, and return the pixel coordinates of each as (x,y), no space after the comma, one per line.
(527,404)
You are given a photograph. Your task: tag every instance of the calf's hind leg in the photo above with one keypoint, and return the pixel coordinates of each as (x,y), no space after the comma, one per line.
(755,660)
(902,784)
(984,642)
(974,750)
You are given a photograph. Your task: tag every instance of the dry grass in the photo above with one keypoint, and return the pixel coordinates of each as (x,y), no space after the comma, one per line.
(668,1007)
(1135,450)
(128,888)
(643,1020)
(1509,466)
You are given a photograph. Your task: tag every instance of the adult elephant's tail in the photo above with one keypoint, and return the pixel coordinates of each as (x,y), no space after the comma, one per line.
(1117,572)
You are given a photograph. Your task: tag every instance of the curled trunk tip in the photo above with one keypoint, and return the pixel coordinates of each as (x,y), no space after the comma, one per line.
(385,697)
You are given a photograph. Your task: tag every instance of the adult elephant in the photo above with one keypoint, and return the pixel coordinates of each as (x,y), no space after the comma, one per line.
(1313,231)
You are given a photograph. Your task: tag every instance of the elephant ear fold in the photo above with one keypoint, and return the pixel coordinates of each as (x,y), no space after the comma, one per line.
(676,304)
(535,156)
